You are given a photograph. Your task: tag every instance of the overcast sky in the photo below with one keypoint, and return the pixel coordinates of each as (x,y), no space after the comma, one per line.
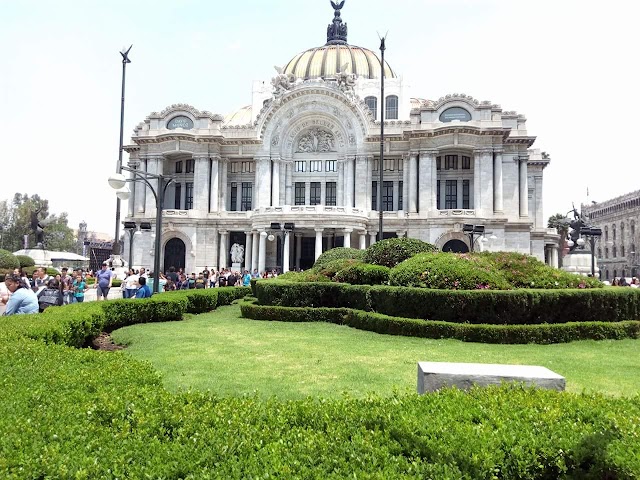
(570,66)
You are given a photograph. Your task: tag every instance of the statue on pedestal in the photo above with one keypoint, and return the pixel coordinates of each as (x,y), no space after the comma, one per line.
(237,253)
(38,228)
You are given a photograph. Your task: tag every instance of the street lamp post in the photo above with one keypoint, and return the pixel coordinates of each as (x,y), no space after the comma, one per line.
(381,165)
(125,60)
(118,182)
(592,234)
(472,231)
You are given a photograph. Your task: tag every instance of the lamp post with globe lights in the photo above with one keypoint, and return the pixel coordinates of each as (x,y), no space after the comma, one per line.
(118,182)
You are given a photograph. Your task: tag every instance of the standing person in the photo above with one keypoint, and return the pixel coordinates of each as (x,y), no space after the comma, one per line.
(65,286)
(232,279)
(22,299)
(172,275)
(79,287)
(205,274)
(255,273)
(41,278)
(104,279)
(200,281)
(50,296)
(246,279)
(144,291)
(192,281)
(130,284)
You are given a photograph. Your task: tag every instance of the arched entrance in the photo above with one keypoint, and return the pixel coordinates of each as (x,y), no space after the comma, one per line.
(455,246)
(174,254)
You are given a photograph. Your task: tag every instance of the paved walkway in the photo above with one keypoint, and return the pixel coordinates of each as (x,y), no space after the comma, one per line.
(89,296)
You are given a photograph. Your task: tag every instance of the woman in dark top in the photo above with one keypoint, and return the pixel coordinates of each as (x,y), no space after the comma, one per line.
(50,295)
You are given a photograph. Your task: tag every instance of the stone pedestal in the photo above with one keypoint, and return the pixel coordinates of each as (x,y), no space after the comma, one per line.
(579,262)
(236,267)
(42,258)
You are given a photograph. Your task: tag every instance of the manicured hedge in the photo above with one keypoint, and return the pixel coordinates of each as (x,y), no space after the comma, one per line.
(515,307)
(338,253)
(363,274)
(392,251)
(411,327)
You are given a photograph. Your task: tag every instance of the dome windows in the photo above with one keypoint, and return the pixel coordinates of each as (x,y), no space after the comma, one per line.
(372,103)
(455,113)
(391,108)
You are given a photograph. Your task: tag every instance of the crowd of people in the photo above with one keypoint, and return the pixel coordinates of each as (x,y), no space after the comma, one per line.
(36,293)
(623,282)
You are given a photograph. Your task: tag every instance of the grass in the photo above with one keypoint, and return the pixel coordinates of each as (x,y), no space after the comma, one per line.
(229,355)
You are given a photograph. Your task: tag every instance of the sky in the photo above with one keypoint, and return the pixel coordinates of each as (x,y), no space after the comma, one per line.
(570,66)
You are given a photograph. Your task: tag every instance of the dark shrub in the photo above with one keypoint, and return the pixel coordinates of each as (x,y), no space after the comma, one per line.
(448,271)
(8,260)
(338,253)
(392,251)
(25,261)
(330,269)
(363,274)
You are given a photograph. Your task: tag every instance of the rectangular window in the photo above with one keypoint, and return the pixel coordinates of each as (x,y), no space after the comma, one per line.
(451,194)
(438,163)
(299,193)
(177,196)
(190,166)
(389,164)
(301,166)
(316,165)
(314,193)
(248,167)
(451,162)
(438,194)
(466,163)
(465,193)
(387,196)
(400,194)
(330,166)
(234,197)
(179,166)
(331,195)
(247,194)
(374,195)
(189,196)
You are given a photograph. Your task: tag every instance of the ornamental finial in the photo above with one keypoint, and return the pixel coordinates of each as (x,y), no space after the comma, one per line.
(337,31)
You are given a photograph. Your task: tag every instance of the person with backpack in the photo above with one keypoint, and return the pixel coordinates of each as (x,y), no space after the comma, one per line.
(51,295)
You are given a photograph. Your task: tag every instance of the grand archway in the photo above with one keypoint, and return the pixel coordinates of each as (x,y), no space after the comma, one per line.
(455,246)
(174,254)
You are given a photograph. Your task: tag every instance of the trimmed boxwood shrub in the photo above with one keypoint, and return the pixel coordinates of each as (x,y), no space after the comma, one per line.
(448,271)
(338,253)
(8,261)
(330,269)
(25,261)
(363,274)
(392,251)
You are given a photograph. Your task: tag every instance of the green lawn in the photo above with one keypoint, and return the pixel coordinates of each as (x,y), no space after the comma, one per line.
(230,355)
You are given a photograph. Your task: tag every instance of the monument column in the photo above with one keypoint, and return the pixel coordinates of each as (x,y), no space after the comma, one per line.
(254,251)
(347,237)
(262,252)
(214,188)
(523,186)
(498,195)
(318,241)
(285,253)
(363,239)
(247,250)
(413,182)
(224,249)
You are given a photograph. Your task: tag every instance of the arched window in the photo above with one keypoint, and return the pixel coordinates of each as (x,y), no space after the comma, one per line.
(622,231)
(613,232)
(391,109)
(614,250)
(372,103)
(606,234)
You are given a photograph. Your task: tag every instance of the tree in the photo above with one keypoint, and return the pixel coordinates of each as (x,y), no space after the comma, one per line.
(15,223)
(560,223)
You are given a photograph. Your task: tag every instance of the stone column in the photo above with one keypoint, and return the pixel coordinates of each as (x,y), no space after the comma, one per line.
(150,199)
(363,240)
(224,250)
(340,183)
(405,183)
(248,244)
(459,200)
(361,182)
(554,257)
(200,183)
(254,251)
(498,195)
(372,238)
(263,182)
(286,253)
(298,249)
(349,185)
(486,181)
(434,184)
(288,183)
(141,190)
(275,183)
(427,192)
(131,204)
(214,187)
(224,166)
(262,252)
(413,183)
(319,241)
(524,187)
(347,237)
(477,185)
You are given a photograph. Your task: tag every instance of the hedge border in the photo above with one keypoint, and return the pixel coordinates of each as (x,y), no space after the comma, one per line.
(543,334)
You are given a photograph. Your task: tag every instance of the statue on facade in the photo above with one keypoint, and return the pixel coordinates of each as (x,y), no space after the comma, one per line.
(237,253)
(38,228)
(282,82)
(346,81)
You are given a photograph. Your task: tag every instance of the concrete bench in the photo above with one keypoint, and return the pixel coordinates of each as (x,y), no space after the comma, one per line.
(435,375)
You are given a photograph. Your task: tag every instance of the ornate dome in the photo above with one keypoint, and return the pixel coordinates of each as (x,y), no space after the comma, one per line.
(326,61)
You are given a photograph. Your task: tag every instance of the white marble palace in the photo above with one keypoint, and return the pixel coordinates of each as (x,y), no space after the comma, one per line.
(306,153)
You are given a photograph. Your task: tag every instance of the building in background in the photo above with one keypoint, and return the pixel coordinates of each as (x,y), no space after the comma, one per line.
(617,250)
(306,152)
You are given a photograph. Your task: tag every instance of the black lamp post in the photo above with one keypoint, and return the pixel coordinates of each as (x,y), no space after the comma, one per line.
(472,231)
(592,234)
(125,60)
(381,165)
(118,182)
